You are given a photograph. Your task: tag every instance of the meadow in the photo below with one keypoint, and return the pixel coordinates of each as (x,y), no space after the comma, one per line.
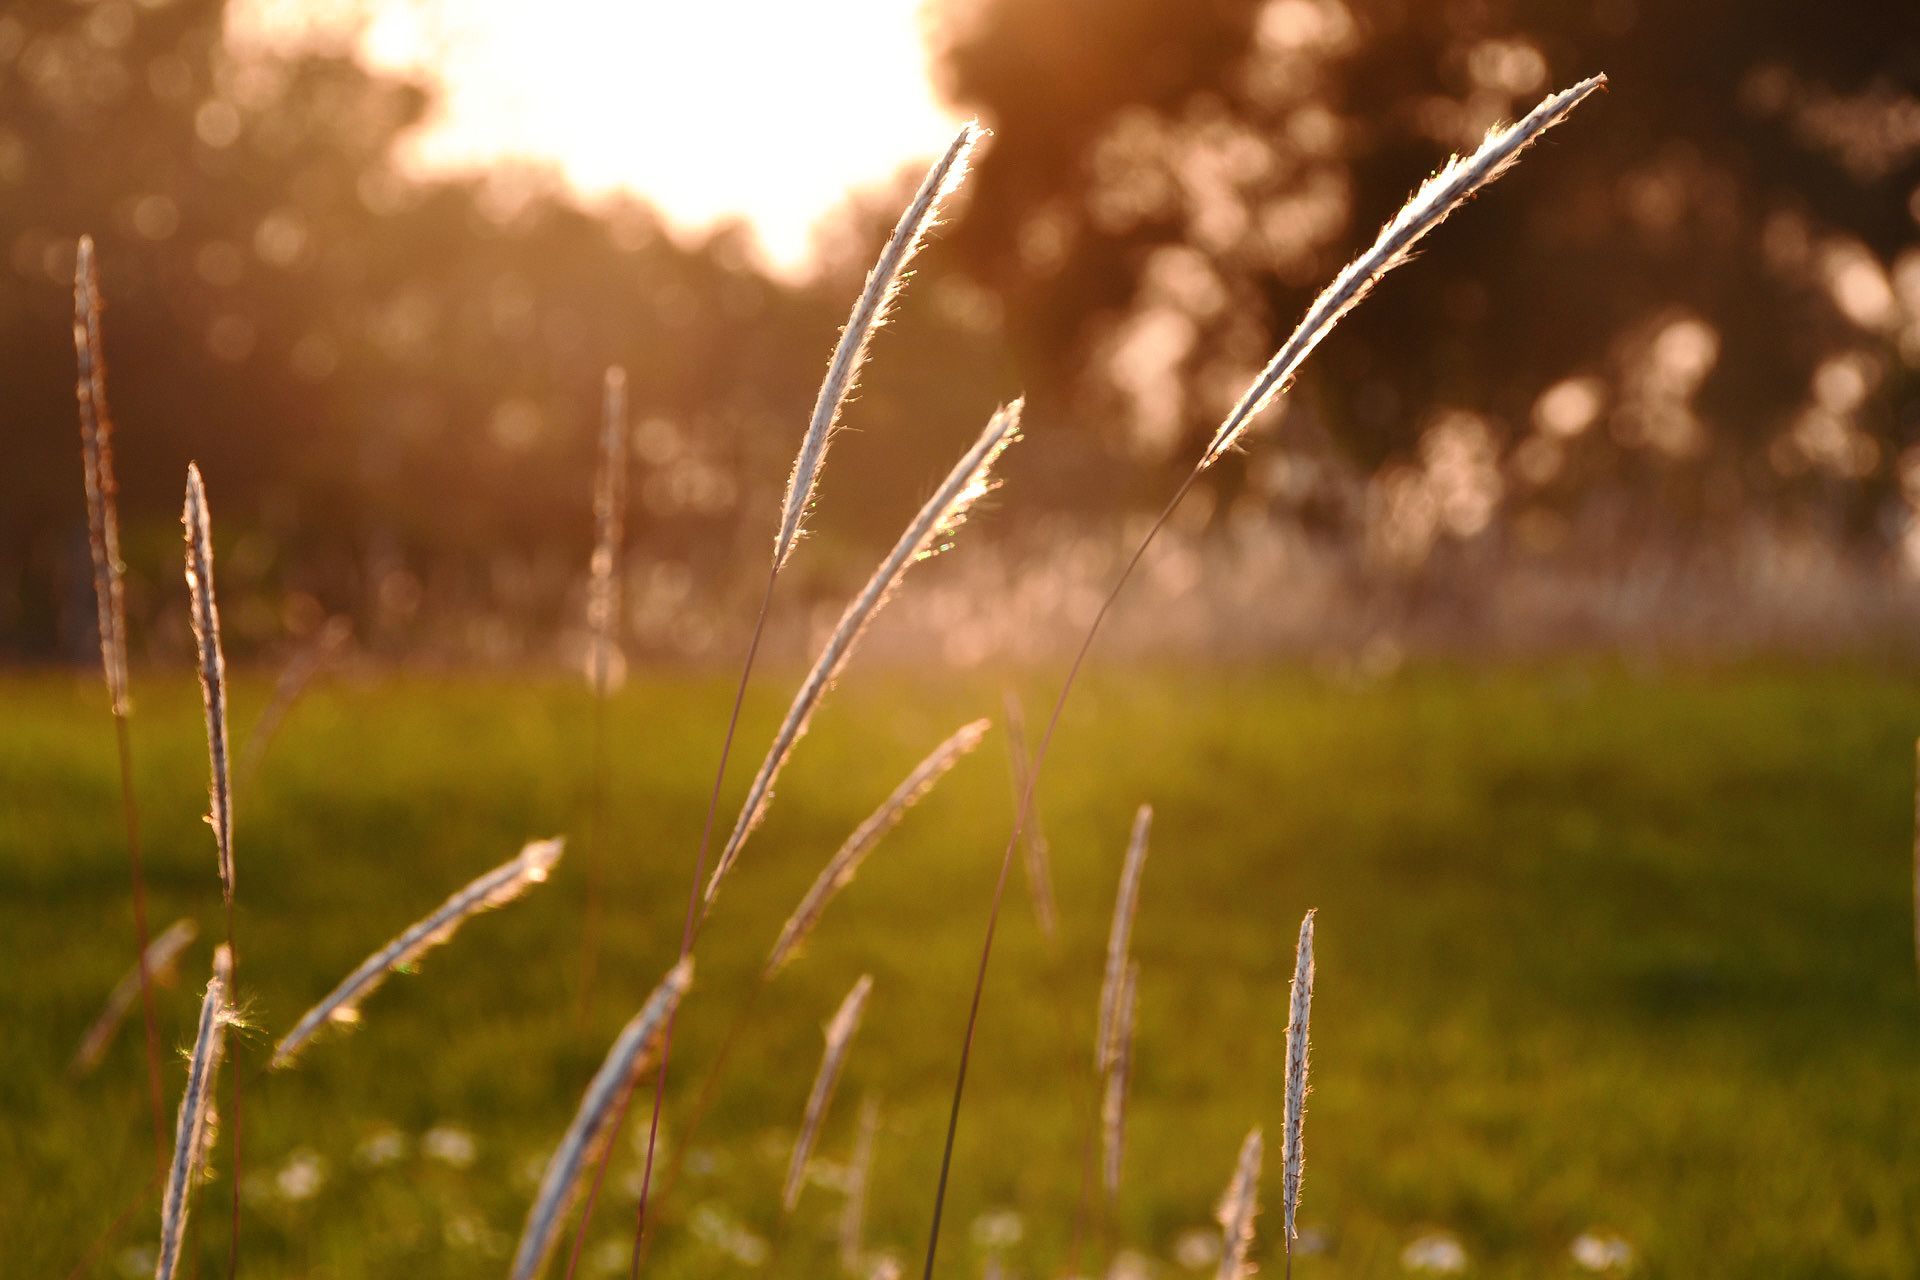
(1600,950)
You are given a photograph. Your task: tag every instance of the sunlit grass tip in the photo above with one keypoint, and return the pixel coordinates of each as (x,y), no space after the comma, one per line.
(925,535)
(496,888)
(1439,196)
(1238,1209)
(846,861)
(884,282)
(587,1136)
(1292,1147)
(213,670)
(96,455)
(1126,905)
(160,959)
(839,1033)
(196,1112)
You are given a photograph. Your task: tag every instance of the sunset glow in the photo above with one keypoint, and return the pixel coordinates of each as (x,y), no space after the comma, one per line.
(757,109)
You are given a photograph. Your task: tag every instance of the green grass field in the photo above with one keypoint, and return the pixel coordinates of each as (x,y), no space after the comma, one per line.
(1597,951)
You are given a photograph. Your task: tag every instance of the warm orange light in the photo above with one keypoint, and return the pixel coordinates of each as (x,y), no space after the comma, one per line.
(762,109)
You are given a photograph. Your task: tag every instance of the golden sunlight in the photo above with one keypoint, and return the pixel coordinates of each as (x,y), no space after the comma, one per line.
(762,110)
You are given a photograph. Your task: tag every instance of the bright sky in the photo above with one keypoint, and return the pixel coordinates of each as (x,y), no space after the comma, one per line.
(770,110)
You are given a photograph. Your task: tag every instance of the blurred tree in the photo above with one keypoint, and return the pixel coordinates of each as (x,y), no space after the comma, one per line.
(1706,281)
(391,385)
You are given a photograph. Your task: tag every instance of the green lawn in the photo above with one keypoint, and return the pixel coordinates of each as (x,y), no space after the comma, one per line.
(1598,950)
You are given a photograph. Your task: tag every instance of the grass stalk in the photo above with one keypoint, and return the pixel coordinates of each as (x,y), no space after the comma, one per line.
(509,880)
(593,1128)
(840,1032)
(109,596)
(1292,1149)
(205,609)
(157,966)
(190,1136)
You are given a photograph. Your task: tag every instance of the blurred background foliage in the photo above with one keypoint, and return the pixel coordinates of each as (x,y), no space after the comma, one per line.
(1695,311)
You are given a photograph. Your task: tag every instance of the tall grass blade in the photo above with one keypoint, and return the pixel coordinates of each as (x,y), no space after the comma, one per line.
(1126,905)
(496,888)
(96,455)
(109,597)
(884,282)
(213,671)
(1237,1210)
(1292,1148)
(205,609)
(196,1110)
(840,1033)
(155,966)
(970,480)
(1033,841)
(591,1129)
(1113,1109)
(846,861)
(1439,196)
(853,1214)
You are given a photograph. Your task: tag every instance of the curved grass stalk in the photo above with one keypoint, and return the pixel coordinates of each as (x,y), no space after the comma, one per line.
(840,1033)
(969,481)
(853,1214)
(496,888)
(592,1128)
(884,282)
(846,861)
(191,1129)
(155,966)
(1426,209)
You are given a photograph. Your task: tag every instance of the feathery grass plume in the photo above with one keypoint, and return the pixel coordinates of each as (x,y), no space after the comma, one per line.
(1113,1107)
(294,681)
(840,1033)
(96,456)
(628,1059)
(494,889)
(1425,210)
(970,480)
(1291,1147)
(1120,938)
(1439,196)
(884,282)
(158,960)
(213,669)
(853,1215)
(609,522)
(1033,840)
(109,596)
(1237,1210)
(846,862)
(196,1109)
